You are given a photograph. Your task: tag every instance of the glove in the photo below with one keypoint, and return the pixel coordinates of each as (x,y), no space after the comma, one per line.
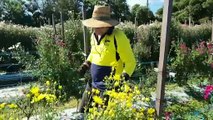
(125,76)
(84,67)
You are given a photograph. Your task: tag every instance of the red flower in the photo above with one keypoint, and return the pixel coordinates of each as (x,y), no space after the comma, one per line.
(207,91)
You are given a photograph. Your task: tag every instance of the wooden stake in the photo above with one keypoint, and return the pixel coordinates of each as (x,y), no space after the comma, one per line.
(86,45)
(62,25)
(212,29)
(53,23)
(164,46)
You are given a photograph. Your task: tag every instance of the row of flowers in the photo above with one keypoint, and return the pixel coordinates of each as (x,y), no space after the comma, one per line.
(34,99)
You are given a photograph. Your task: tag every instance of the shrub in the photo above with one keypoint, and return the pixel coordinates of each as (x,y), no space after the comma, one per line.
(196,61)
(129,29)
(195,34)
(12,34)
(147,47)
(58,62)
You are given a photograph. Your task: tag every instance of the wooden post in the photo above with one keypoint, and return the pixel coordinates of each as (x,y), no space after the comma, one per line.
(53,23)
(190,20)
(212,29)
(135,31)
(164,46)
(86,46)
(49,21)
(62,25)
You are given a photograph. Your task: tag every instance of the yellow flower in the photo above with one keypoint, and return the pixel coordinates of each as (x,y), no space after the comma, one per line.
(60,87)
(111,113)
(41,97)
(93,90)
(97,91)
(28,95)
(126,88)
(35,91)
(48,83)
(88,92)
(50,98)
(12,106)
(147,99)
(111,104)
(2,106)
(129,104)
(116,84)
(151,111)
(117,77)
(142,110)
(98,100)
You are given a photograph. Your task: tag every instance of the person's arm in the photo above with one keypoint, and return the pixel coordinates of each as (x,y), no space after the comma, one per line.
(125,52)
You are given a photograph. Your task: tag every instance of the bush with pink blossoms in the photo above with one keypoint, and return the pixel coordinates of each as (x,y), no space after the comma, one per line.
(196,61)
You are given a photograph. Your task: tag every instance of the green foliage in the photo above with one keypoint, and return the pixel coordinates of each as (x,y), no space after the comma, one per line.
(190,110)
(12,34)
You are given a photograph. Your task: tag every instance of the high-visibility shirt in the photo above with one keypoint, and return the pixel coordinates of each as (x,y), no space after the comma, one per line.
(103,52)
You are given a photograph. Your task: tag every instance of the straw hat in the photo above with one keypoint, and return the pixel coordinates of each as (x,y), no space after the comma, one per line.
(100,18)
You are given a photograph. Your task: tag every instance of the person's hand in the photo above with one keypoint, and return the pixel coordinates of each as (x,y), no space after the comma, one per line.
(125,76)
(84,67)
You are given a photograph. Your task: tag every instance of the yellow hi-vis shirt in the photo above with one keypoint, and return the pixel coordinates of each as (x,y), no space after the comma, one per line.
(104,53)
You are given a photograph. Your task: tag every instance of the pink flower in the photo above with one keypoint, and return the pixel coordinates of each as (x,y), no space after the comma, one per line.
(211,65)
(210,48)
(203,44)
(202,48)
(207,91)
(183,48)
(168,115)
(60,43)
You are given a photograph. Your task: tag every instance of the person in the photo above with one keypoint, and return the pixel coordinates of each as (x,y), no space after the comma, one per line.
(110,52)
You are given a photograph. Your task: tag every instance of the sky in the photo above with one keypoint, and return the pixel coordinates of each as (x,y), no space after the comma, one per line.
(154,5)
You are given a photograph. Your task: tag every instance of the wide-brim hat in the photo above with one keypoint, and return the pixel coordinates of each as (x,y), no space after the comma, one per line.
(100,18)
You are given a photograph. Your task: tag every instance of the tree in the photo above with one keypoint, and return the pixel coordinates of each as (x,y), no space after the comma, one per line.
(143,14)
(120,9)
(196,10)
(11,11)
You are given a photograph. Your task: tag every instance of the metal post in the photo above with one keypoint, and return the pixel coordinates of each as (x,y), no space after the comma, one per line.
(62,25)
(164,46)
